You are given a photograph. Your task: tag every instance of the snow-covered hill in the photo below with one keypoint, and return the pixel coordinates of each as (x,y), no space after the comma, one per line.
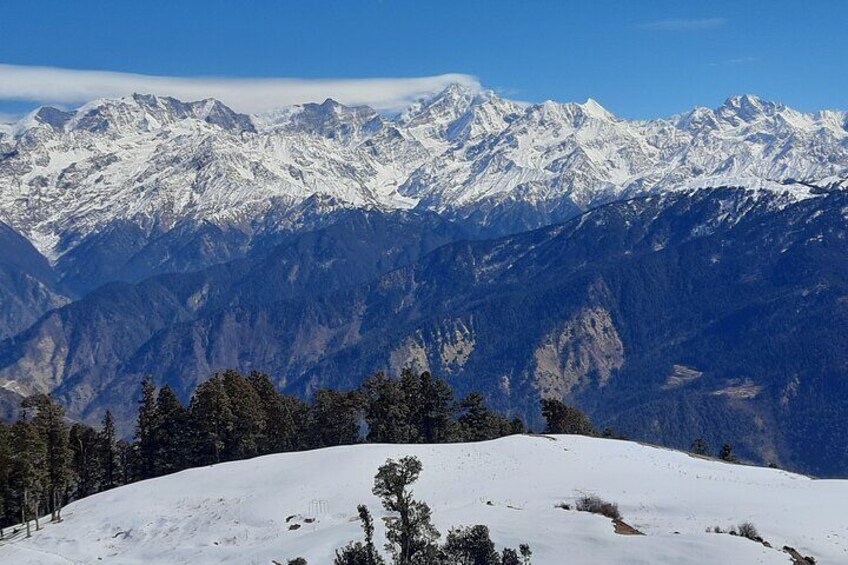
(156,161)
(246,512)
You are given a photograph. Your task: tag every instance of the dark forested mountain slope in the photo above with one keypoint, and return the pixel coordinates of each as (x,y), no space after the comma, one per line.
(128,252)
(719,313)
(79,349)
(27,284)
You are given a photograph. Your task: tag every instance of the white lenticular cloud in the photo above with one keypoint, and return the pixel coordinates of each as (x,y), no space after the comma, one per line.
(50,85)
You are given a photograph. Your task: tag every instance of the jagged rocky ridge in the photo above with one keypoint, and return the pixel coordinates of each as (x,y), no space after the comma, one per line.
(119,177)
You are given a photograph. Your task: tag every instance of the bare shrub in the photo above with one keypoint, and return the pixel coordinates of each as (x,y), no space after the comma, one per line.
(597,505)
(748,530)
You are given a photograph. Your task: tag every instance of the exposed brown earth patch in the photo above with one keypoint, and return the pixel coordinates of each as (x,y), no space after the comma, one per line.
(681,375)
(625,529)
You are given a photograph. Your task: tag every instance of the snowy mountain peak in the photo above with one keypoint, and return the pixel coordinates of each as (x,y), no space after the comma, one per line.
(444,107)
(332,107)
(330,119)
(455,91)
(53,117)
(571,114)
(749,108)
(146,112)
(216,112)
(595,110)
(487,114)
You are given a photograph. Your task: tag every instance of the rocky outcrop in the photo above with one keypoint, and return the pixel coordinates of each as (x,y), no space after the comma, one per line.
(584,351)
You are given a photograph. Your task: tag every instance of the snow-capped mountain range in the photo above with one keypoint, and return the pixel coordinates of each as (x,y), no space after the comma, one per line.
(473,156)
(184,238)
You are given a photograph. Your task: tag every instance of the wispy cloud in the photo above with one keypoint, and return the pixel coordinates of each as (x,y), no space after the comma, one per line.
(49,85)
(8,118)
(734,62)
(698,24)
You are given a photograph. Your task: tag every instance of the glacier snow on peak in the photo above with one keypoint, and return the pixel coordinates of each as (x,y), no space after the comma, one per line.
(472,155)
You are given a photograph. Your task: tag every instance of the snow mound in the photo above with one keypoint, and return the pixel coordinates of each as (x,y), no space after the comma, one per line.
(304,504)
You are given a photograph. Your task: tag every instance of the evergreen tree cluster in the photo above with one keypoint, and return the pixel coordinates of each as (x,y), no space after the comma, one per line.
(701,447)
(231,417)
(563,419)
(412,539)
(419,408)
(45,461)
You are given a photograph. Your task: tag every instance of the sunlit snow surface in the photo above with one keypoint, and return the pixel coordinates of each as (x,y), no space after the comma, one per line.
(236,512)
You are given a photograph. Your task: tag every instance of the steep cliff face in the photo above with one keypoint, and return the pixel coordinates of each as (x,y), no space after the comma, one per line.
(584,351)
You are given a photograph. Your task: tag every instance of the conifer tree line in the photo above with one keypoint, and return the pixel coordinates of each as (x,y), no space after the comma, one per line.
(46,461)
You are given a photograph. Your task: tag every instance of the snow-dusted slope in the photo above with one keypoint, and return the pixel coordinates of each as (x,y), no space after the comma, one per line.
(237,512)
(156,161)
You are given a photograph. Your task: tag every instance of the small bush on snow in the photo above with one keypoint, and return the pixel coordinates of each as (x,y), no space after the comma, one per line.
(748,530)
(597,505)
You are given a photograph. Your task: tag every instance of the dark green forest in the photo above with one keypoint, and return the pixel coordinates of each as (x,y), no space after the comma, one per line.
(47,461)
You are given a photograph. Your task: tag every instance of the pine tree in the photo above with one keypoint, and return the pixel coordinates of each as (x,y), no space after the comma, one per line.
(146,430)
(372,557)
(413,399)
(410,533)
(726,453)
(510,557)
(107,452)
(49,420)
(293,434)
(85,459)
(357,553)
(700,447)
(334,418)
(127,461)
(386,411)
(172,433)
(564,419)
(517,427)
(471,545)
(247,434)
(526,554)
(212,420)
(28,472)
(433,400)
(478,422)
(286,417)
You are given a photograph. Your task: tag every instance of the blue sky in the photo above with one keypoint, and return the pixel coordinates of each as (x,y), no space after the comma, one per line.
(638,59)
